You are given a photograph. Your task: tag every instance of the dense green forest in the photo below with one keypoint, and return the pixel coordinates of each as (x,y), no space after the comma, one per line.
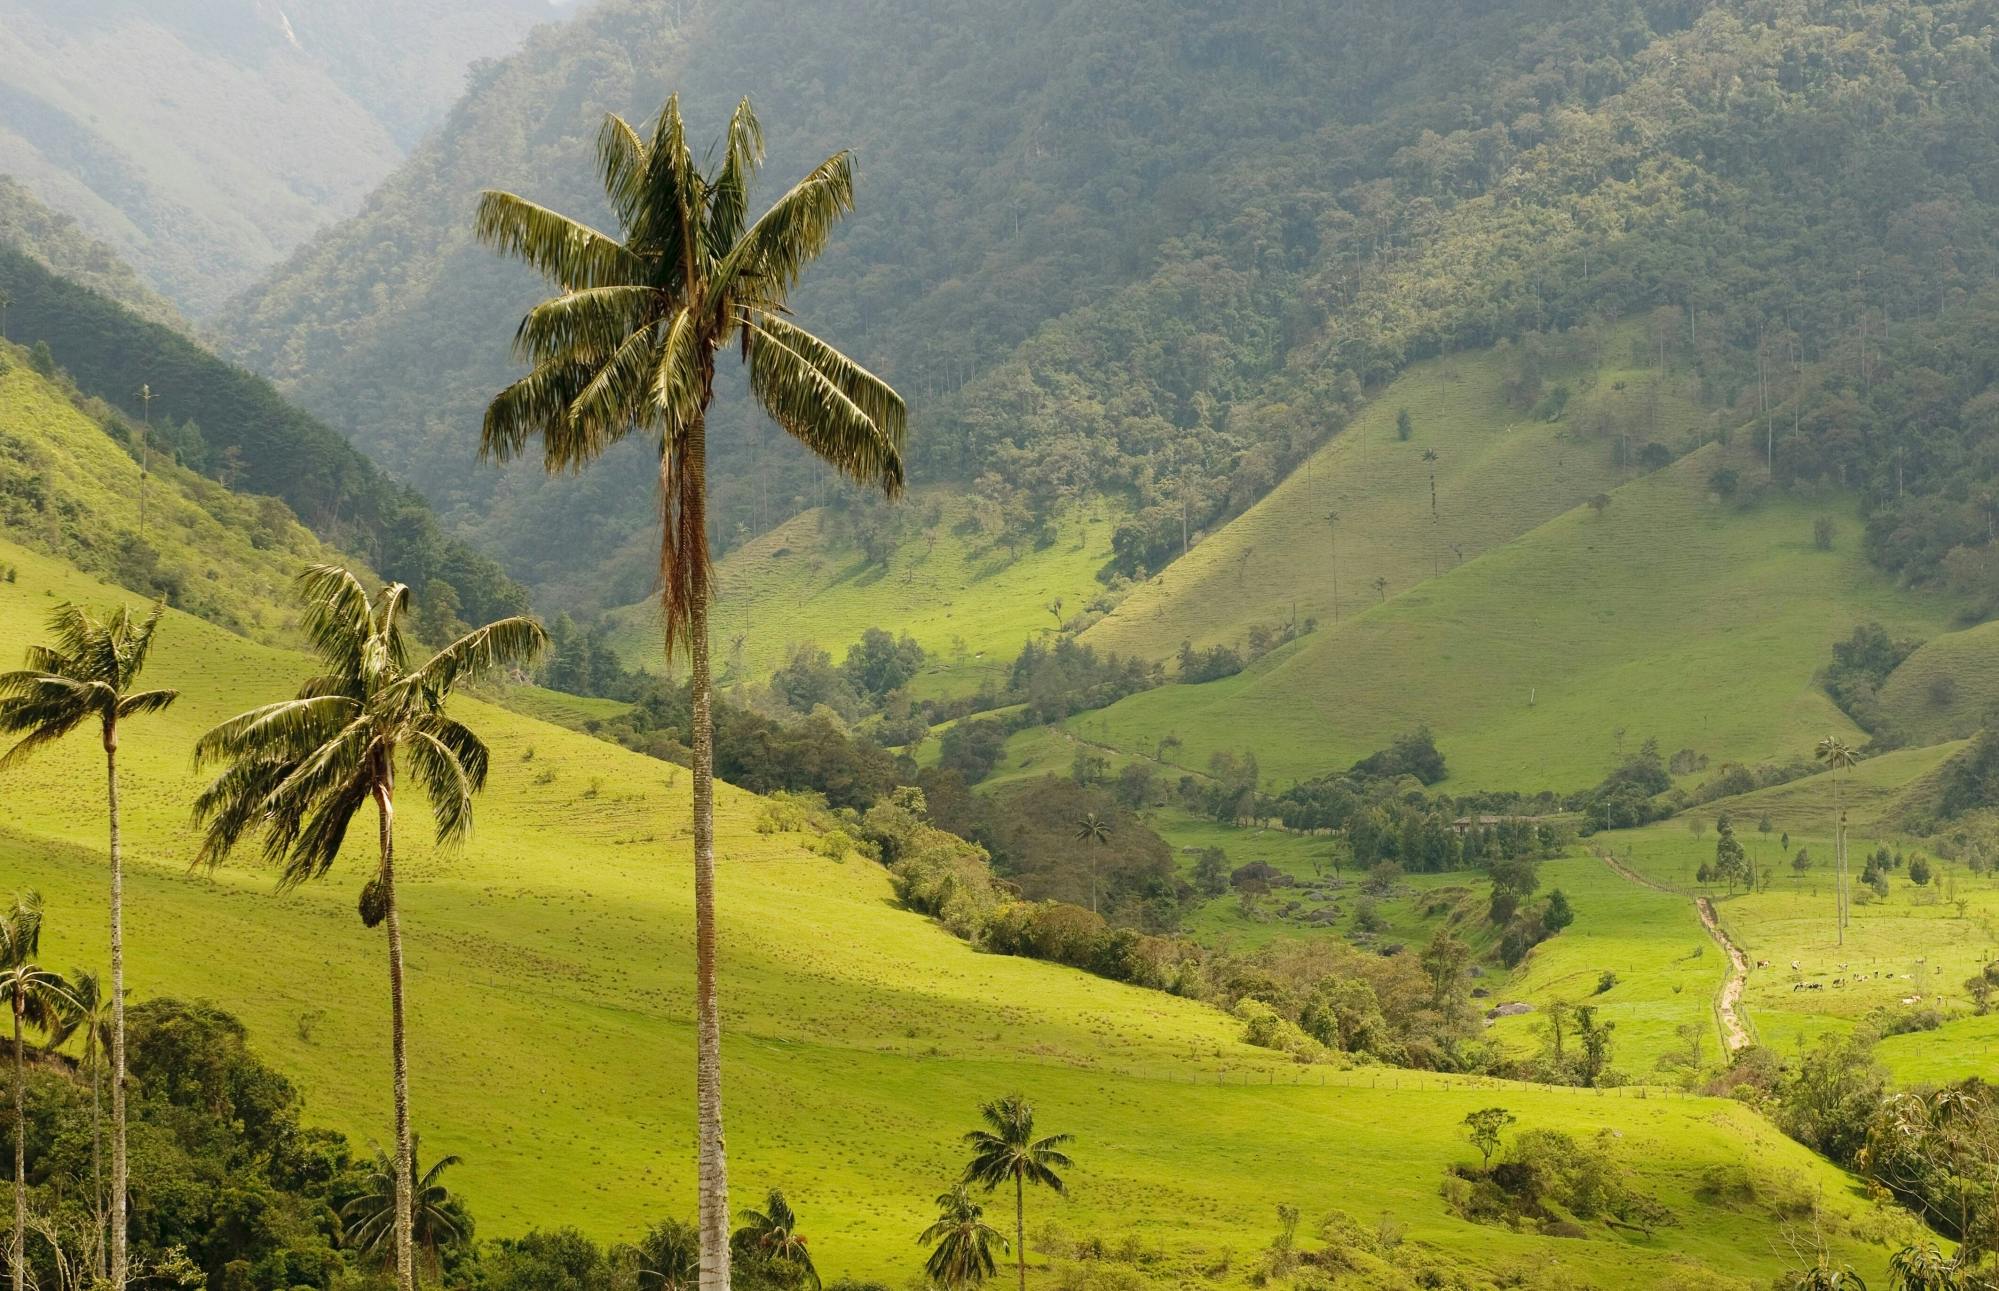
(1264,218)
(252,439)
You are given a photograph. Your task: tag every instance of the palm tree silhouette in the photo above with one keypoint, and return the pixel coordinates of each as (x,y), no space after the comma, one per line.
(630,346)
(770,1237)
(34,997)
(1093,828)
(87,676)
(1007,1149)
(961,1241)
(373,1215)
(298,771)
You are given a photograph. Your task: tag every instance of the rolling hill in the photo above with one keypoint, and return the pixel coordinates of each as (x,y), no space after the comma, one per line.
(1672,614)
(860,1037)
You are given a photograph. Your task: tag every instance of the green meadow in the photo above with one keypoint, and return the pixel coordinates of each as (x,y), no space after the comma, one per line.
(552,1034)
(969,600)
(1672,614)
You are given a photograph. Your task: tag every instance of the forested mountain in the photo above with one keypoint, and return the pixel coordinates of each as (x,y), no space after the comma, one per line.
(1160,250)
(235,428)
(58,244)
(206,138)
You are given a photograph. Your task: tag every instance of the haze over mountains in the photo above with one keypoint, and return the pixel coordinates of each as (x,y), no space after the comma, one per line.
(204,139)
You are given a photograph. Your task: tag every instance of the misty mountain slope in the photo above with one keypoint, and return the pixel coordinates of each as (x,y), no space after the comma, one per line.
(203,139)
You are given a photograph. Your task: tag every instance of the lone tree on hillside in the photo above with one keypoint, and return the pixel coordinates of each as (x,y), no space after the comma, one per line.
(297,772)
(1599,504)
(1333,562)
(1838,757)
(1007,1150)
(1483,1128)
(1381,587)
(630,346)
(1093,829)
(87,676)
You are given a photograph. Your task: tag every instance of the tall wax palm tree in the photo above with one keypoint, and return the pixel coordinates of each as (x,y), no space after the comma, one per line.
(298,771)
(961,1242)
(1838,756)
(87,1013)
(434,1219)
(1333,565)
(629,347)
(1007,1149)
(88,676)
(33,996)
(1093,829)
(770,1237)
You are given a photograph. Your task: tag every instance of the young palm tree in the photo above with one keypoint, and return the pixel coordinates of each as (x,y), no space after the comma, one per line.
(1007,1149)
(88,676)
(1838,756)
(961,1242)
(87,1013)
(434,1220)
(299,770)
(33,996)
(770,1237)
(630,346)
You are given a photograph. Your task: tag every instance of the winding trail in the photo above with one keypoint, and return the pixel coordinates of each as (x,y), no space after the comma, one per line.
(1728,1005)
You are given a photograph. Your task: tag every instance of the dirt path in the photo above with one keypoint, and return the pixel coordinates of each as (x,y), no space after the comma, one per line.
(1728,1005)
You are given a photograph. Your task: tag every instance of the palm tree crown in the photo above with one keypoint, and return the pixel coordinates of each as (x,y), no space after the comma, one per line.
(372,1215)
(298,770)
(630,343)
(961,1241)
(1007,1149)
(87,674)
(770,1236)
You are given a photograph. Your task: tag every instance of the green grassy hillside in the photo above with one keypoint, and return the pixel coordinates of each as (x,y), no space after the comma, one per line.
(68,488)
(970,601)
(1875,793)
(1944,689)
(553,1045)
(1500,472)
(1672,615)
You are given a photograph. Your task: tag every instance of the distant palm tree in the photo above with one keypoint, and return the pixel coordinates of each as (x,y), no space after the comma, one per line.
(770,1237)
(372,1216)
(5,300)
(33,996)
(1007,1149)
(87,1013)
(1381,587)
(1838,756)
(630,347)
(961,1240)
(299,770)
(1093,828)
(669,1257)
(1333,565)
(1430,460)
(87,676)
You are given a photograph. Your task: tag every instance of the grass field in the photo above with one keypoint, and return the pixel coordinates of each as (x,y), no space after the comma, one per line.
(971,603)
(1671,615)
(553,1045)
(1916,944)
(1943,690)
(1500,472)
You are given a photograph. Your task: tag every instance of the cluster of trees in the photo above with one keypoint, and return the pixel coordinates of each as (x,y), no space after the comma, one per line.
(1860,667)
(1547,1179)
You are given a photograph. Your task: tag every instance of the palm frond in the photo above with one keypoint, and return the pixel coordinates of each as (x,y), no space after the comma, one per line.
(444,782)
(811,405)
(337,615)
(537,404)
(567,252)
(610,404)
(146,701)
(584,326)
(729,196)
(621,166)
(290,727)
(764,265)
(511,641)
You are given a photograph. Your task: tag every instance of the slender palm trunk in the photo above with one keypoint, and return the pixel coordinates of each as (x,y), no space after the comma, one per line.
(118,1164)
(385,808)
(1020,1228)
(94,1057)
(714,1166)
(17,1248)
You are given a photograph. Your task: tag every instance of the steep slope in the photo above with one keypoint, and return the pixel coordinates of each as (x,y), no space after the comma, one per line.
(1089,282)
(1673,614)
(70,486)
(252,439)
(204,140)
(1946,688)
(58,244)
(1362,507)
(860,1037)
